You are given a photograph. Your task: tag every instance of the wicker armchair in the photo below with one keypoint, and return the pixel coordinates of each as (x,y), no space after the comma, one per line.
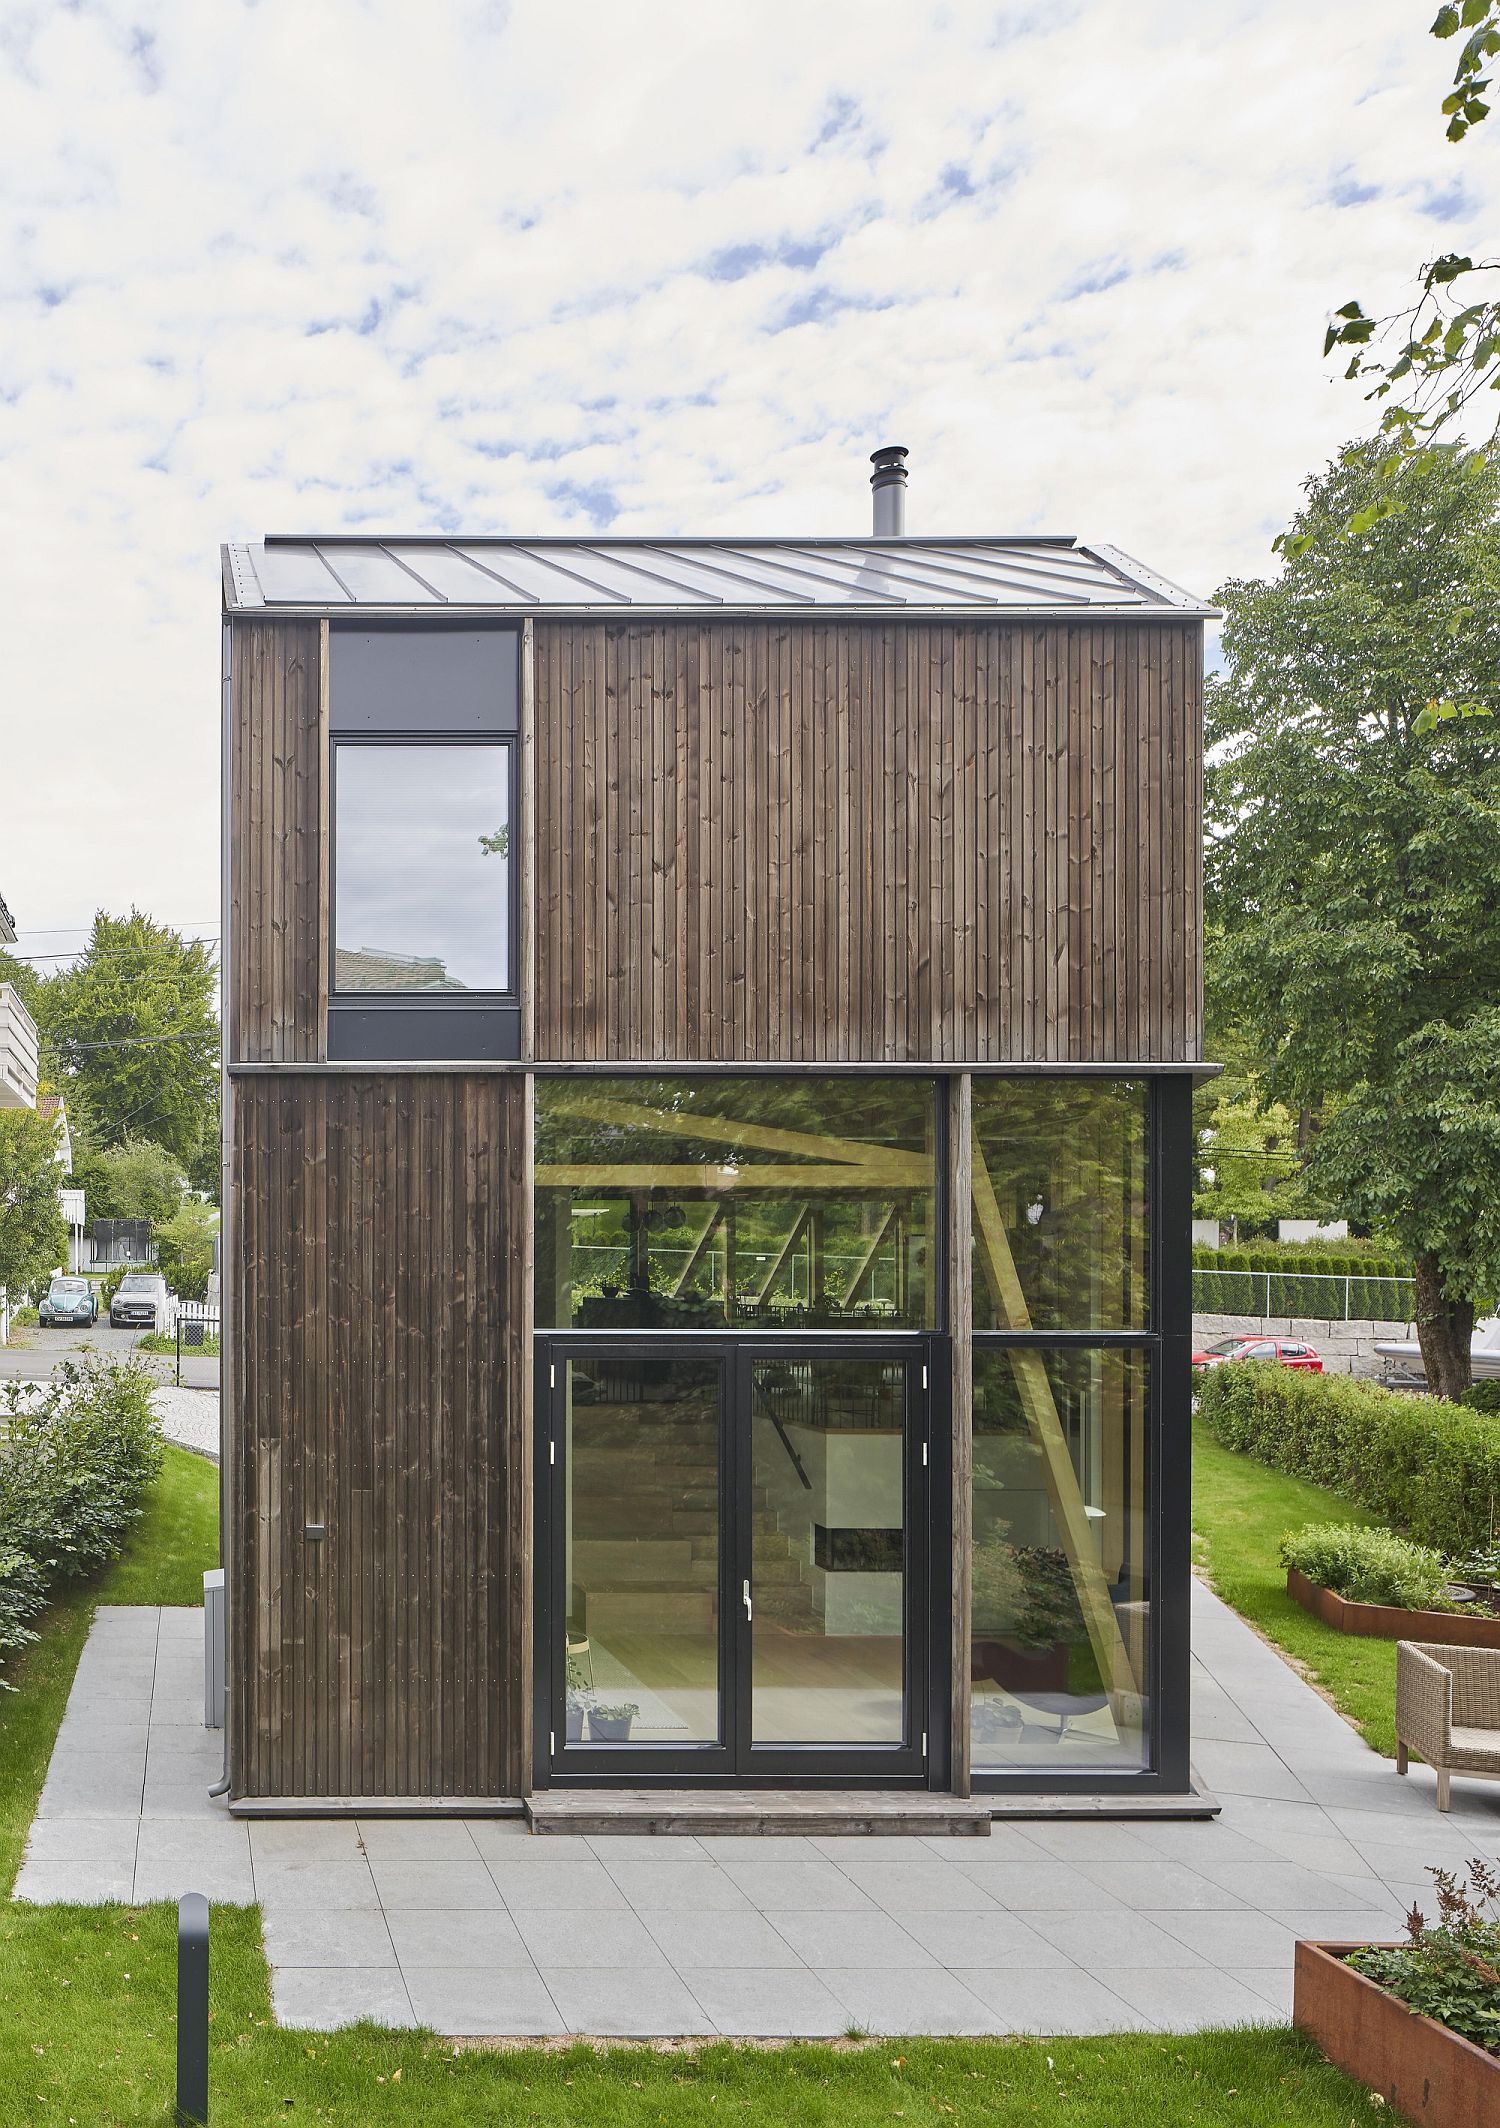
(1448,1710)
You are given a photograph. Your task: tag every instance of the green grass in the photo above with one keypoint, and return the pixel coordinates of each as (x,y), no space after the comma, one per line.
(87,2030)
(159,1341)
(1241,1511)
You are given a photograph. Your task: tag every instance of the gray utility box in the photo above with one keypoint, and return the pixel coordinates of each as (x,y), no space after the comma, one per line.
(213,1649)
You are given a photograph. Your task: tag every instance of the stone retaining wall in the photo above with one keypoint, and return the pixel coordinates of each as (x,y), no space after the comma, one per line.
(1345,1348)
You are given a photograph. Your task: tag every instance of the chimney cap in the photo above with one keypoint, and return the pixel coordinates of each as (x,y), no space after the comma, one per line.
(889,460)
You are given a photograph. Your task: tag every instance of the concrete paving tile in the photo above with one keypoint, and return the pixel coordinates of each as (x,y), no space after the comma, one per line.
(1091,1840)
(769,2004)
(691,1887)
(1052,2003)
(1237,1937)
(1116,1938)
(730,1942)
(818,1887)
(417,1840)
(1340,1924)
(639,1846)
(93,1784)
(434,1884)
(918,1999)
(993,1939)
(192,1840)
(1158,1883)
(76,1883)
(596,1940)
(566,1886)
(226,1880)
(844,1848)
(607,2002)
(930,1887)
(1187,1998)
(315,1884)
(1248,1770)
(82,1840)
(468,1936)
(104,1731)
(1043,1886)
(1327,1853)
(1004,1843)
(1273,1984)
(1271,1884)
(852,1940)
(468,2003)
(1191,1839)
(759,1847)
(337,1936)
(319,1998)
(304,1840)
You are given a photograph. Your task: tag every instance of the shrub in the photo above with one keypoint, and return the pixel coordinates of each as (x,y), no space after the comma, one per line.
(1432,1469)
(1450,1971)
(75,1461)
(1368,1565)
(1485,1397)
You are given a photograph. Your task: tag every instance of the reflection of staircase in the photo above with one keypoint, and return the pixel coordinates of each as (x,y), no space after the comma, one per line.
(646,1521)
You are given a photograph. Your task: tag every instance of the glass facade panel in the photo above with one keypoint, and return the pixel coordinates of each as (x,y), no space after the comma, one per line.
(421,886)
(774,1202)
(1060,1222)
(642,1551)
(828,1551)
(1060,1579)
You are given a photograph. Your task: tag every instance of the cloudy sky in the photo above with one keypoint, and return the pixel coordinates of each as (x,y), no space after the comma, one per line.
(561,265)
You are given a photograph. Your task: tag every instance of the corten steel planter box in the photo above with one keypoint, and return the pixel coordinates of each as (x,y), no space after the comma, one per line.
(1387,1621)
(1426,2072)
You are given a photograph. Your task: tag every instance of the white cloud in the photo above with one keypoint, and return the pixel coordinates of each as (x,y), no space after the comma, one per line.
(308,263)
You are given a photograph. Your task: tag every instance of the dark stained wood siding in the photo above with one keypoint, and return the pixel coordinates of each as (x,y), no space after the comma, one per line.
(902,841)
(277,845)
(380,1385)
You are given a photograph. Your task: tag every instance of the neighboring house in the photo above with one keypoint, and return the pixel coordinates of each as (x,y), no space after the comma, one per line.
(18,1051)
(54,1108)
(735,1332)
(7,925)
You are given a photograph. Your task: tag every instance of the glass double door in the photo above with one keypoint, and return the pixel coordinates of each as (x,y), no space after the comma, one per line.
(735,1560)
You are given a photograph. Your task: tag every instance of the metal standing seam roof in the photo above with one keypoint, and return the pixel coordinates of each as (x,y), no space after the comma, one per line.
(345,573)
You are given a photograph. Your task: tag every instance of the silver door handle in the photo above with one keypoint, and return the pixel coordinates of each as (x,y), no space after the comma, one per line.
(749,1613)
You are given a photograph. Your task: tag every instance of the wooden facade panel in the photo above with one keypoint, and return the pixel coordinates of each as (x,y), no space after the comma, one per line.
(277,844)
(381,1389)
(886,841)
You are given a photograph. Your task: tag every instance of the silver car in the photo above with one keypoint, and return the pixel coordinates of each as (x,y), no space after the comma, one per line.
(142,1302)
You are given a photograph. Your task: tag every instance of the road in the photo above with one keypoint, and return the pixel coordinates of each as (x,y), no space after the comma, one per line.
(32,1354)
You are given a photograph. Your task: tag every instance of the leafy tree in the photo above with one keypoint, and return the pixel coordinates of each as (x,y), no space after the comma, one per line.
(136,1180)
(1353,865)
(22,977)
(33,1239)
(1258,1172)
(1433,360)
(185,1248)
(133,1022)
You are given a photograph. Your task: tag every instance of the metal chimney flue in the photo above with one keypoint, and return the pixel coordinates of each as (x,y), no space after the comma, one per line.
(889,483)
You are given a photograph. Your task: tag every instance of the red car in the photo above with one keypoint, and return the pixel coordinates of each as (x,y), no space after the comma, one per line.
(1284,1351)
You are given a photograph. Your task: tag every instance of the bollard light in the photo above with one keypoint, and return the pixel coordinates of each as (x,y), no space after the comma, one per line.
(192,2008)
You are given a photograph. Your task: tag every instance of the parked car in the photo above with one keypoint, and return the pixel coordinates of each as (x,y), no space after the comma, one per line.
(68,1300)
(142,1302)
(1283,1351)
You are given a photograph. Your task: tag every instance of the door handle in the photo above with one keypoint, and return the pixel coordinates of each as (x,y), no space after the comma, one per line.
(749,1612)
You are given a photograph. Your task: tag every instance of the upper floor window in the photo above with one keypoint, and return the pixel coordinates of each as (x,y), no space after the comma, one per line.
(422,868)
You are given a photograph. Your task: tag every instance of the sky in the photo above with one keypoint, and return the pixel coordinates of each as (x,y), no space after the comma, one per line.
(529,266)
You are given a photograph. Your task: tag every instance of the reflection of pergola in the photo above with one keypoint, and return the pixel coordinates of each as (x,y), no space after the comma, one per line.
(827,1164)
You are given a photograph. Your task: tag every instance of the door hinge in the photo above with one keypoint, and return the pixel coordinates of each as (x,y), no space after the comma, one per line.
(552,1743)
(924,1743)
(924,1377)
(924,1455)
(552,1371)
(551,1451)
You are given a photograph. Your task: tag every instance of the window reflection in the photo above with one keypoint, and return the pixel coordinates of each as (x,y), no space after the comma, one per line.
(422,868)
(1059,1577)
(1059,1204)
(769,1202)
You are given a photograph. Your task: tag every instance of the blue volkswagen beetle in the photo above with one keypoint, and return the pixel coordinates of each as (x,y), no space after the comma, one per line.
(68,1300)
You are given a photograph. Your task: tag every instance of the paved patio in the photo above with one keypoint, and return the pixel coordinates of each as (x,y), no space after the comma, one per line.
(475,1927)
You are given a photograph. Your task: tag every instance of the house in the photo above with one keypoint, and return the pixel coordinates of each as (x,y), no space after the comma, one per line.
(18,1050)
(710,1033)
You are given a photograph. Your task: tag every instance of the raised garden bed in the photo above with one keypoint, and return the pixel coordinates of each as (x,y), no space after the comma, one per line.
(1386,1621)
(1420,2068)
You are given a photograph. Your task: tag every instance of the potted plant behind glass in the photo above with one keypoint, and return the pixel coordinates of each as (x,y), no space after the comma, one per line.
(577,1701)
(611,1725)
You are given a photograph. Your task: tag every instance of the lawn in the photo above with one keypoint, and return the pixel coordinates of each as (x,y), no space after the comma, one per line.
(1241,1511)
(87,1999)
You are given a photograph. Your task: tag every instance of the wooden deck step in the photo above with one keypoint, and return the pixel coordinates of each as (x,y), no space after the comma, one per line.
(704,1812)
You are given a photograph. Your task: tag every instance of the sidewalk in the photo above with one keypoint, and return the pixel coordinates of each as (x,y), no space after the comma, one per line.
(474,1927)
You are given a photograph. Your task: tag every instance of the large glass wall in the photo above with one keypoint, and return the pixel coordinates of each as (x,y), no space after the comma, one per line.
(767,1203)
(1060,1204)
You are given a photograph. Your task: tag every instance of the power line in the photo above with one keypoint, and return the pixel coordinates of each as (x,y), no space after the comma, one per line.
(140,1041)
(100,953)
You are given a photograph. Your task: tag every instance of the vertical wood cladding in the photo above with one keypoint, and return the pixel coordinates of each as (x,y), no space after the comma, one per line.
(277,843)
(891,840)
(380,1389)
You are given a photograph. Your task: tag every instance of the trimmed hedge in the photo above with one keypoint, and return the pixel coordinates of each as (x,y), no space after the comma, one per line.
(1430,1468)
(1483,1396)
(1304,1281)
(76,1460)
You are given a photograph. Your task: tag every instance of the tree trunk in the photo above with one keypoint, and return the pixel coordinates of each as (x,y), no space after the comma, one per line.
(1445,1331)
